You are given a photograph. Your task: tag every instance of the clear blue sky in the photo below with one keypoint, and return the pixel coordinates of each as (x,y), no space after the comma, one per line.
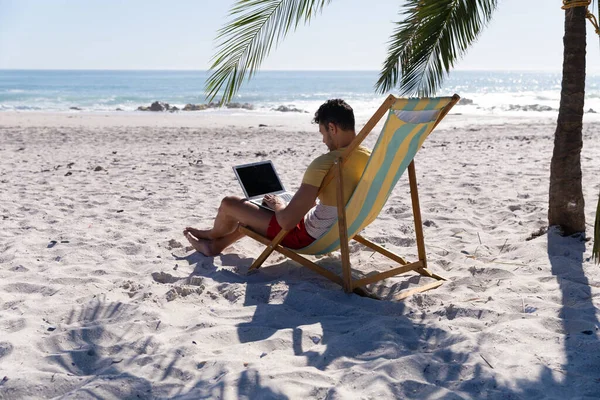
(153,34)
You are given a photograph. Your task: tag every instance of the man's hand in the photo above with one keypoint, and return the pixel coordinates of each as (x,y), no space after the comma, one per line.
(303,200)
(274,202)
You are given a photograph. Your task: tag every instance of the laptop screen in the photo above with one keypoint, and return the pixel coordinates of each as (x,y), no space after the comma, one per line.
(259,179)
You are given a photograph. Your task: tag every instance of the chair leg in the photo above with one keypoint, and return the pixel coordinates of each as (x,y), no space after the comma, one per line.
(268,250)
(344,248)
(294,256)
(414,195)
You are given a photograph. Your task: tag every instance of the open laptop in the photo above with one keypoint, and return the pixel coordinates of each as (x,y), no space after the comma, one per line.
(258,179)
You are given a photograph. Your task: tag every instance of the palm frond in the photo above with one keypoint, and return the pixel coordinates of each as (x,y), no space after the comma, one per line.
(596,249)
(245,41)
(432,36)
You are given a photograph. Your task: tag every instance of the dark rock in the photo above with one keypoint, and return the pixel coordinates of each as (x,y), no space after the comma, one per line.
(529,107)
(262,125)
(465,102)
(245,106)
(200,107)
(194,107)
(591,111)
(159,106)
(119,109)
(98,168)
(75,108)
(156,106)
(174,108)
(287,109)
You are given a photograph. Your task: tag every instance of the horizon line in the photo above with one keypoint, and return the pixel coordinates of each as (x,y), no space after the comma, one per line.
(275,70)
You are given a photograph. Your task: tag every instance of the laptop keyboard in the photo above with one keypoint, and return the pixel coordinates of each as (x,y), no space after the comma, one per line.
(286,196)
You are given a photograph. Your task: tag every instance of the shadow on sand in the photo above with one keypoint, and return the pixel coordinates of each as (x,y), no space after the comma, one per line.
(332,332)
(351,330)
(90,356)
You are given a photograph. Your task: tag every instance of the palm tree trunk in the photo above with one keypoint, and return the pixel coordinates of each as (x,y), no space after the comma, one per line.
(596,249)
(566,205)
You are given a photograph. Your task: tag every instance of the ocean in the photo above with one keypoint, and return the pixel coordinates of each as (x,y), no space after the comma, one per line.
(492,92)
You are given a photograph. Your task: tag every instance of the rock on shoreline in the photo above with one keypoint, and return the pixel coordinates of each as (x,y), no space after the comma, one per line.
(519,107)
(159,106)
(465,102)
(288,109)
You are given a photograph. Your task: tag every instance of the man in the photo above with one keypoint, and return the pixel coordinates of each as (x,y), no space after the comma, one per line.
(305,217)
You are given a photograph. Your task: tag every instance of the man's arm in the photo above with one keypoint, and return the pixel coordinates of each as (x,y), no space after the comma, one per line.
(303,200)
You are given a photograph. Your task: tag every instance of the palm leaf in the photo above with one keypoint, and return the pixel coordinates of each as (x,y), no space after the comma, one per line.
(431,37)
(245,41)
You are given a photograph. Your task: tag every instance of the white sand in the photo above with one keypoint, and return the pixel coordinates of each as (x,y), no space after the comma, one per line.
(119,308)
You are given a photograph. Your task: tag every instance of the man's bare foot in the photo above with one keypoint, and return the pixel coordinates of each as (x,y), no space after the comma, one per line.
(198,233)
(200,245)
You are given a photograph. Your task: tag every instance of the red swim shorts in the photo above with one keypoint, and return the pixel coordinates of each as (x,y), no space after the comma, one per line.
(296,238)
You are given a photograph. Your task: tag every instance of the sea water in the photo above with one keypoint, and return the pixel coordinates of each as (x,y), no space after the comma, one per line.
(492,92)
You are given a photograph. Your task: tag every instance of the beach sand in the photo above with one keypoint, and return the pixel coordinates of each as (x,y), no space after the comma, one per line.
(101,297)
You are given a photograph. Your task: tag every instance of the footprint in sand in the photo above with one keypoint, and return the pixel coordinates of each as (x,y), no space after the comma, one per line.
(30,288)
(131,249)
(174,244)
(12,325)
(19,268)
(183,291)
(5,349)
(164,277)
(132,288)
(187,285)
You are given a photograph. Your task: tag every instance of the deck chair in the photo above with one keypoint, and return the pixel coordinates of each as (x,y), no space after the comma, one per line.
(408,124)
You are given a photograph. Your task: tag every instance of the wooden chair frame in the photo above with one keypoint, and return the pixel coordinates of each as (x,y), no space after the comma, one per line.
(346,281)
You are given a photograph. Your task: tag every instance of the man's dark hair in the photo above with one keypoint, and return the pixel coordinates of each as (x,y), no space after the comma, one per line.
(336,111)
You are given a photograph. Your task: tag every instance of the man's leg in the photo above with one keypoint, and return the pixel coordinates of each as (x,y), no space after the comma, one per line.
(213,247)
(232,212)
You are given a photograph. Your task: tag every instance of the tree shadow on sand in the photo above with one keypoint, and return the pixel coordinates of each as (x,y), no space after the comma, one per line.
(337,332)
(580,375)
(102,348)
(112,349)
